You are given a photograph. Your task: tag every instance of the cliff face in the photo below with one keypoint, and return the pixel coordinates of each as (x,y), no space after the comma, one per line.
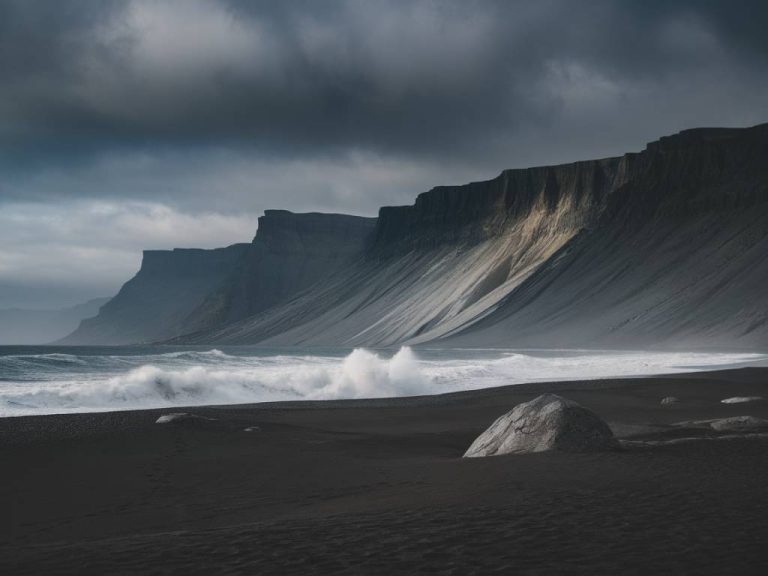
(653,248)
(290,253)
(436,265)
(184,291)
(665,247)
(572,194)
(677,259)
(150,306)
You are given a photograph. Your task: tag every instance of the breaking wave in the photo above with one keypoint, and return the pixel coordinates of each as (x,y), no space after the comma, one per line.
(229,380)
(54,383)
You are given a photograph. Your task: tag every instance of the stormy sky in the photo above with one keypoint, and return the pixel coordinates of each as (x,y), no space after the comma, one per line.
(132,124)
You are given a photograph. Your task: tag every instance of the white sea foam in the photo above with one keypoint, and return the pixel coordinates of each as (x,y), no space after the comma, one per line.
(50,383)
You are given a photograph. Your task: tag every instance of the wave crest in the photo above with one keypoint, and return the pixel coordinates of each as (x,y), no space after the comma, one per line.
(104,383)
(362,374)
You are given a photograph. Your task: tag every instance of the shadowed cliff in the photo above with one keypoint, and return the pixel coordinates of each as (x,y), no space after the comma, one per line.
(167,287)
(188,290)
(290,253)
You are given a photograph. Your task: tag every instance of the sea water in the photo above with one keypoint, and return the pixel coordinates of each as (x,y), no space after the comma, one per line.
(51,380)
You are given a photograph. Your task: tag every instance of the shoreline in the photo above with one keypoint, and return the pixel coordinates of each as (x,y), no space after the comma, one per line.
(418,399)
(379,486)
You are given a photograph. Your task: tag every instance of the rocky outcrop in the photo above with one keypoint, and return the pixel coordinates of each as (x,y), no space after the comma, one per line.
(547,422)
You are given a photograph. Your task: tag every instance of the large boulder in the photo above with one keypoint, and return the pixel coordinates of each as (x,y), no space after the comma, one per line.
(548,422)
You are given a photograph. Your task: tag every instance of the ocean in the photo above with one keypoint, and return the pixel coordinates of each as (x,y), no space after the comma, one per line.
(53,380)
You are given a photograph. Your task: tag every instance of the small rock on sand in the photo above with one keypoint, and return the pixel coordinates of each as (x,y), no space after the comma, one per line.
(548,422)
(731,424)
(179,417)
(741,399)
(669,400)
(739,424)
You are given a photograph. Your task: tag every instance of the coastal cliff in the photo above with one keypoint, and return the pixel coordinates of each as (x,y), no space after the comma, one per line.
(443,262)
(181,291)
(573,193)
(677,258)
(289,253)
(658,248)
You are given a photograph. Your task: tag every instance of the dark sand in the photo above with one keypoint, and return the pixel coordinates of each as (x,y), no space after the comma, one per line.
(379,487)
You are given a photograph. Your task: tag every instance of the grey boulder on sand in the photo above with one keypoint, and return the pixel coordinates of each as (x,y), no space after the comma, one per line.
(548,422)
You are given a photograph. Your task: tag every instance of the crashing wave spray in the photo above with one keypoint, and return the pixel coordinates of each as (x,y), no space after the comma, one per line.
(55,383)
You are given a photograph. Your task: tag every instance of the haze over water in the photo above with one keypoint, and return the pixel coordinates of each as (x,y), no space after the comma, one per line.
(49,380)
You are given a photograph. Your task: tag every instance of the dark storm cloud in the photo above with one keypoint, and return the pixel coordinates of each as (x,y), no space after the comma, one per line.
(129,124)
(315,78)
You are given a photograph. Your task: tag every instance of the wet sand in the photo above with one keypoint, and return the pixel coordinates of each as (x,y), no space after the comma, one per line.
(379,487)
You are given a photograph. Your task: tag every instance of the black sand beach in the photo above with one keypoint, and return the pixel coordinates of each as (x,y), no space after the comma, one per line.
(379,487)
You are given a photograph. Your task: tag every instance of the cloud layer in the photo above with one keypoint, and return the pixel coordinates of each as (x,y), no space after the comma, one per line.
(222,108)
